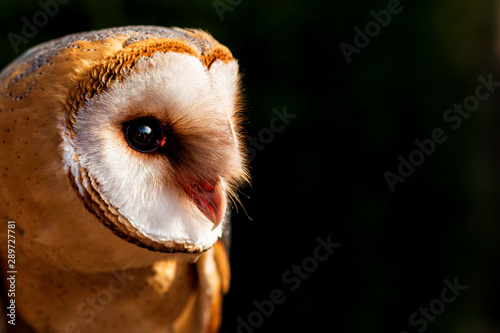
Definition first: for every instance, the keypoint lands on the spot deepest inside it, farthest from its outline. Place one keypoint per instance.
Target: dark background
(324, 173)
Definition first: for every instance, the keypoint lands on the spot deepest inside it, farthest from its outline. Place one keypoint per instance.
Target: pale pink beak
(210, 200)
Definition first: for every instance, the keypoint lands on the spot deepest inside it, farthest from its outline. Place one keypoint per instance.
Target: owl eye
(144, 134)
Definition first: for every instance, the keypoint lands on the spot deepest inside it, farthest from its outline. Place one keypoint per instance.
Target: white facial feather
(171, 86)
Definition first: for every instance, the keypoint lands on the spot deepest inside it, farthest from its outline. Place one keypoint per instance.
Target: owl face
(155, 154)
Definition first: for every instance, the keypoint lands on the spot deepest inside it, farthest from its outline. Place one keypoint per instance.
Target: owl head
(153, 145)
(146, 124)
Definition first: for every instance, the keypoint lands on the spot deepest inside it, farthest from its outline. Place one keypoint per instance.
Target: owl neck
(124, 300)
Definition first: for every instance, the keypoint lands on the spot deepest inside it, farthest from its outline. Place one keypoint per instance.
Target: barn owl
(119, 151)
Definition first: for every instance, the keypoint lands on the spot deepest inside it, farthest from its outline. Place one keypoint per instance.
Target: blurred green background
(323, 174)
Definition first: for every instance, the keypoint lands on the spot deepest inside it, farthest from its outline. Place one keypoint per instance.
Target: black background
(323, 174)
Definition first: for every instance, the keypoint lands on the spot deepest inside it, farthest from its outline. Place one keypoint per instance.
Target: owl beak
(210, 200)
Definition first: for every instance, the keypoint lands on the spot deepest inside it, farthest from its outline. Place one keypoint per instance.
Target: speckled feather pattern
(70, 249)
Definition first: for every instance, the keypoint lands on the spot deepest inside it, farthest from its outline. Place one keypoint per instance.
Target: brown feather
(67, 258)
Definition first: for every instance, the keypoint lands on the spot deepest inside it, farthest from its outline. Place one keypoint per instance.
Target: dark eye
(144, 134)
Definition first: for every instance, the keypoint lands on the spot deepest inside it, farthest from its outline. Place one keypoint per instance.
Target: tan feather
(63, 106)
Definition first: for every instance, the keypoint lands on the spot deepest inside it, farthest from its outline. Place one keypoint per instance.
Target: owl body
(119, 149)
